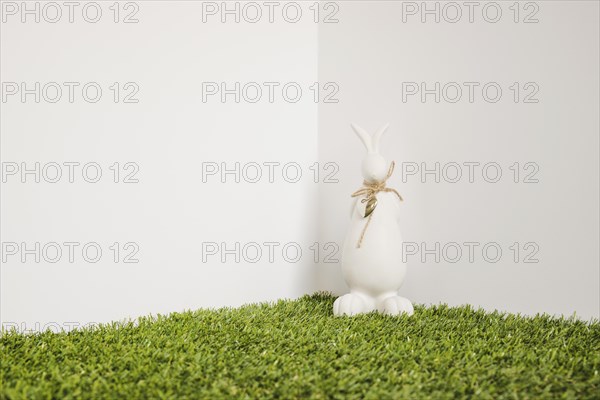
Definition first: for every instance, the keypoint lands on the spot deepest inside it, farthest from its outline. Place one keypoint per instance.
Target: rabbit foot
(349, 304)
(396, 305)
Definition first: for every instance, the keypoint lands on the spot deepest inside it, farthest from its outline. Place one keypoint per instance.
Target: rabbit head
(374, 166)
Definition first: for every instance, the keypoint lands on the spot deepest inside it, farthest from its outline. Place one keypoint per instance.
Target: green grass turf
(297, 349)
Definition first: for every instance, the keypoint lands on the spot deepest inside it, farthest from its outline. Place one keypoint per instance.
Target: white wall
(372, 52)
(170, 132)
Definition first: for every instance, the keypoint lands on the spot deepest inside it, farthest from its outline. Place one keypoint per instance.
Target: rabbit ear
(377, 137)
(364, 136)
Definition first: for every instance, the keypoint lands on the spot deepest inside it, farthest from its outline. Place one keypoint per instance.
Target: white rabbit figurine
(372, 257)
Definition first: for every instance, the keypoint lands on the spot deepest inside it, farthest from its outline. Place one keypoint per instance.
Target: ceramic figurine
(372, 262)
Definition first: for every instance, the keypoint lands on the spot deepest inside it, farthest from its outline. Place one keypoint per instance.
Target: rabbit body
(376, 267)
(375, 270)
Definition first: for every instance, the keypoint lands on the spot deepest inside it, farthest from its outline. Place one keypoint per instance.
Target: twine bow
(370, 189)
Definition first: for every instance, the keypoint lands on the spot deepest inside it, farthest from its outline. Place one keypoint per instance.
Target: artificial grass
(297, 349)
